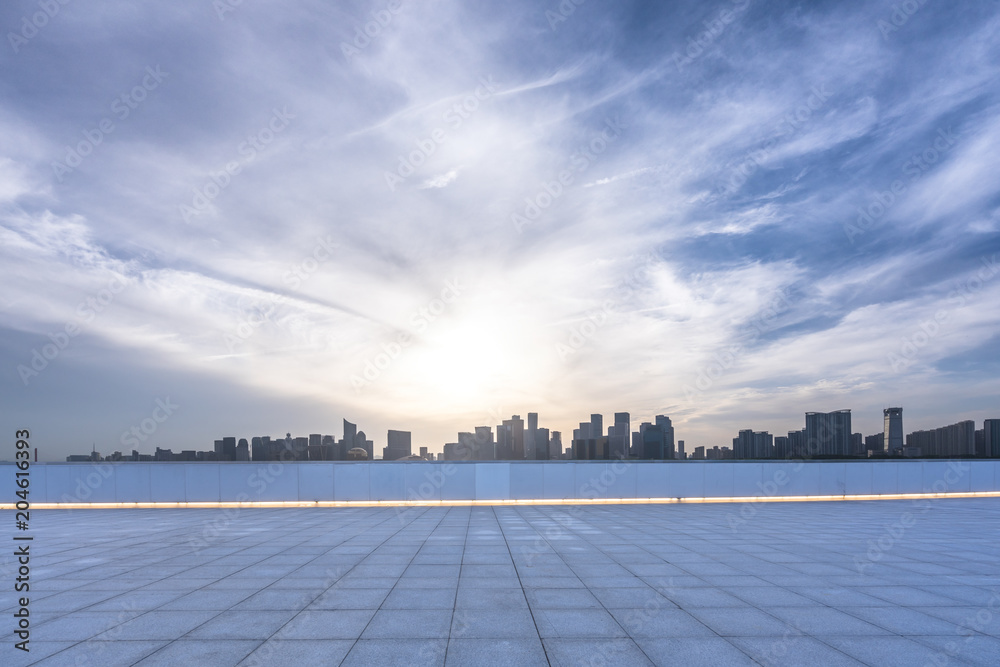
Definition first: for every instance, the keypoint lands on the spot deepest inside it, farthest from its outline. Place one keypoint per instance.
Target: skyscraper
(516, 425)
(828, 433)
(619, 434)
(398, 445)
(893, 440)
(991, 437)
(484, 443)
(668, 435)
(530, 443)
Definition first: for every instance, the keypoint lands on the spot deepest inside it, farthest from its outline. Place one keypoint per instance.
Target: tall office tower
(636, 449)
(980, 443)
(466, 446)
(516, 427)
(597, 425)
(828, 433)
(229, 448)
(668, 435)
(530, 445)
(991, 437)
(398, 446)
(652, 442)
(242, 451)
(423, 452)
(484, 444)
(542, 444)
(505, 446)
(619, 435)
(556, 446)
(349, 439)
(893, 432)
(257, 449)
(681, 455)
(220, 454)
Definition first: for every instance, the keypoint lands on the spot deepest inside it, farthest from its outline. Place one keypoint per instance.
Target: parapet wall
(493, 481)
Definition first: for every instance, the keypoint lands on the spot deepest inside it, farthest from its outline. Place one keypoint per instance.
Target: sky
(259, 217)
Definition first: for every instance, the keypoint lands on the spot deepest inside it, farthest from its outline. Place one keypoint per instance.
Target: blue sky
(731, 213)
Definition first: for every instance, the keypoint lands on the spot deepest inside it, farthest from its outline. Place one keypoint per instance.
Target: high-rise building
(516, 427)
(828, 433)
(398, 446)
(530, 435)
(484, 444)
(893, 431)
(752, 444)
(242, 452)
(875, 444)
(954, 440)
(681, 454)
(991, 437)
(858, 445)
(229, 448)
(797, 444)
(542, 445)
(781, 450)
(619, 436)
(597, 425)
(555, 445)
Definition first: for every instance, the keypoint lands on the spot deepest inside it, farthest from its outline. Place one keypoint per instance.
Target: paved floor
(848, 583)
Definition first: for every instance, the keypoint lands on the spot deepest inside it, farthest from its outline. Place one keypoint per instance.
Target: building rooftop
(826, 583)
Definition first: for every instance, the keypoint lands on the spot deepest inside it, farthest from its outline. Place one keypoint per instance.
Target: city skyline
(823, 435)
(722, 213)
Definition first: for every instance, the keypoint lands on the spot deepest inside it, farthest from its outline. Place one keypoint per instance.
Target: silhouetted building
(893, 431)
(750, 444)
(619, 435)
(398, 446)
(875, 444)
(484, 446)
(828, 433)
(991, 437)
(954, 440)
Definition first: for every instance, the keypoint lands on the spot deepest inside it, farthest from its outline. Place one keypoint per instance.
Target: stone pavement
(834, 583)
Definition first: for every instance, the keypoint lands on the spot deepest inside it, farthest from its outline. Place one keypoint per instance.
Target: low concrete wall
(520, 480)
